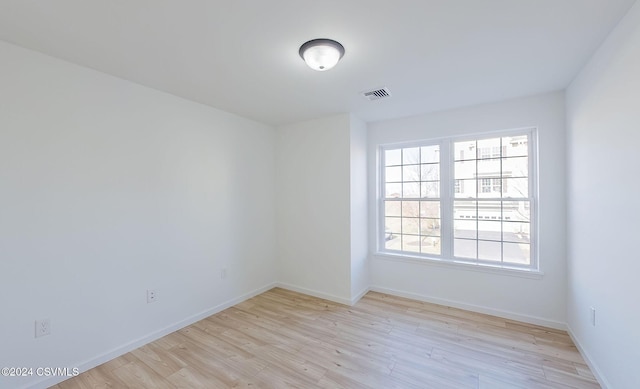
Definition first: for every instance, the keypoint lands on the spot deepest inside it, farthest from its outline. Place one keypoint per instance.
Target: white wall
(534, 300)
(603, 120)
(313, 211)
(322, 207)
(359, 210)
(107, 189)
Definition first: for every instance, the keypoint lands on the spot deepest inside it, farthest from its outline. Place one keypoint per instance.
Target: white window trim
(447, 193)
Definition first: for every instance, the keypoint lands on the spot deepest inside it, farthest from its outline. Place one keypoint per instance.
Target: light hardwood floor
(283, 339)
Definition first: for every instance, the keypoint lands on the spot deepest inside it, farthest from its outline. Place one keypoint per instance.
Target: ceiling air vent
(376, 94)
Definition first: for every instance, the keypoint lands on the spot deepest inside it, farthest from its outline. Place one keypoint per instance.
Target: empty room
(339, 194)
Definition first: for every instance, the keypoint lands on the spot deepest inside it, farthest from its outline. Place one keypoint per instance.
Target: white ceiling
(242, 55)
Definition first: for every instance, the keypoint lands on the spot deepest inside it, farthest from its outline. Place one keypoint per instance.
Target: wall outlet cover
(152, 296)
(43, 327)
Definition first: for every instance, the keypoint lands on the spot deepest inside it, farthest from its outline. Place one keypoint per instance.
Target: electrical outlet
(223, 273)
(43, 327)
(592, 313)
(152, 296)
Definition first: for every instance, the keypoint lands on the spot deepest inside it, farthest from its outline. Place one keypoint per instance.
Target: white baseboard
(118, 351)
(360, 295)
(326, 296)
(314, 293)
(475, 308)
(587, 358)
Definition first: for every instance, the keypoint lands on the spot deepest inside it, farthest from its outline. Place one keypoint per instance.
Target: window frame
(447, 197)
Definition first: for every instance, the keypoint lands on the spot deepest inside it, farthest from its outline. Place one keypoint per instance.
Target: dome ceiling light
(321, 54)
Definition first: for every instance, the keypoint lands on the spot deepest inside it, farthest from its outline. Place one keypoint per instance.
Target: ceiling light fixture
(321, 54)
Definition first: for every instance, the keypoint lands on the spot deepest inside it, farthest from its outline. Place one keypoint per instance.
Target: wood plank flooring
(283, 339)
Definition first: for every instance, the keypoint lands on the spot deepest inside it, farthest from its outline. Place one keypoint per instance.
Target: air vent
(376, 94)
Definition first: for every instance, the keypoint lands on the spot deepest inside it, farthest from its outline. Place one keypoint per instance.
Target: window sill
(452, 264)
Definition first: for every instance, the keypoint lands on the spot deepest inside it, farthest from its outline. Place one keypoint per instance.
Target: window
(488, 152)
(412, 200)
(463, 200)
(489, 185)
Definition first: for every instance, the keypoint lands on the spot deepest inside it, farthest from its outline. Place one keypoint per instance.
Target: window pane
(393, 190)
(516, 232)
(430, 245)
(464, 248)
(489, 210)
(515, 146)
(411, 189)
(515, 167)
(489, 168)
(465, 229)
(464, 169)
(410, 209)
(430, 227)
(464, 150)
(489, 188)
(393, 225)
(517, 253)
(430, 209)
(430, 172)
(392, 157)
(468, 189)
(465, 210)
(392, 208)
(411, 243)
(411, 173)
(490, 230)
(516, 211)
(430, 189)
(489, 251)
(393, 241)
(410, 225)
(430, 154)
(489, 148)
(515, 187)
(393, 174)
(411, 156)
